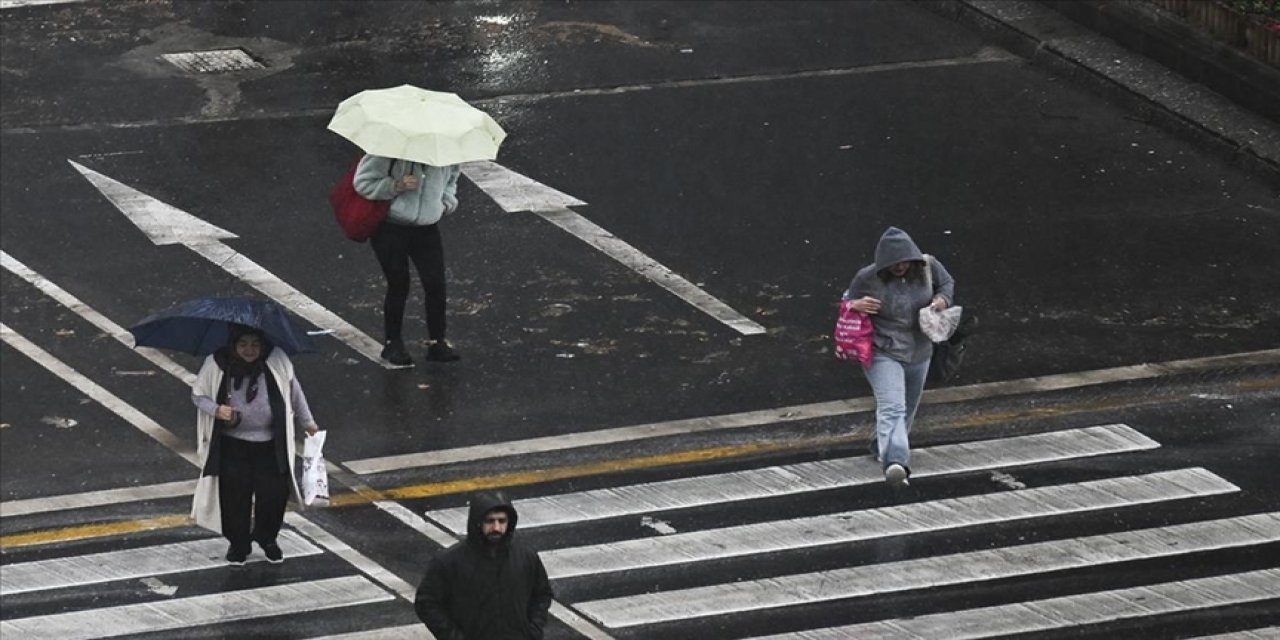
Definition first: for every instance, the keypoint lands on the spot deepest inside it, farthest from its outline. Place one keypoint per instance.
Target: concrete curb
(1158, 95)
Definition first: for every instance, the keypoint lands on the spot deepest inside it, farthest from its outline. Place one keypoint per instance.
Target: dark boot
(396, 354)
(440, 351)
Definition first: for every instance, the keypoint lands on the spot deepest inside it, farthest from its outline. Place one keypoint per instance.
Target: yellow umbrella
(415, 124)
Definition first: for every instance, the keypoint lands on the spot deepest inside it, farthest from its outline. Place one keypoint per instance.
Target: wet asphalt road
(756, 149)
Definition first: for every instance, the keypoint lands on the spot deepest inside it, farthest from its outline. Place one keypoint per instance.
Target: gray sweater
(435, 196)
(897, 328)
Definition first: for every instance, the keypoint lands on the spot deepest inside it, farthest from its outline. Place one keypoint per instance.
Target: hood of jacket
(895, 246)
(481, 504)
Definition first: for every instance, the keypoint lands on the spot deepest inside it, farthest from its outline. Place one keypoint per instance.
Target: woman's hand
(407, 183)
(312, 429)
(867, 304)
(939, 303)
(224, 412)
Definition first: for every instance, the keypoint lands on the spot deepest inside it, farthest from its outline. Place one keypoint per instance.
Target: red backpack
(358, 216)
(854, 335)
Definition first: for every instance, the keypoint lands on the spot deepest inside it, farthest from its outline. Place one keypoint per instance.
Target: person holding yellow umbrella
(415, 141)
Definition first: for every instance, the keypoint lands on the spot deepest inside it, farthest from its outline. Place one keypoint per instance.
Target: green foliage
(1268, 8)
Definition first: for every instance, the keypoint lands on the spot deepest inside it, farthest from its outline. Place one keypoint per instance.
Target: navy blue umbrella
(203, 325)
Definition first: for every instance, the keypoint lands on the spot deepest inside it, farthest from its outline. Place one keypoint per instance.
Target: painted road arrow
(515, 192)
(165, 224)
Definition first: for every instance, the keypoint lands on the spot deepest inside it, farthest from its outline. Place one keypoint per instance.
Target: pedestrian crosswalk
(292, 599)
(694, 577)
(131, 595)
(771, 552)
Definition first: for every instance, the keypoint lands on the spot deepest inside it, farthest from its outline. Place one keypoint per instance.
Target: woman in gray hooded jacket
(892, 290)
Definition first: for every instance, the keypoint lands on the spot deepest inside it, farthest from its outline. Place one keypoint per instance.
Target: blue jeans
(897, 387)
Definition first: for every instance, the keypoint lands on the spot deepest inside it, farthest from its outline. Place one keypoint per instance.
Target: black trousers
(249, 481)
(397, 245)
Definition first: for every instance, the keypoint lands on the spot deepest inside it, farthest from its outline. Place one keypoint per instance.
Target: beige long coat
(205, 507)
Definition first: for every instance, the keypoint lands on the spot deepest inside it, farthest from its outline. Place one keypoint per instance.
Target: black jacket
(480, 591)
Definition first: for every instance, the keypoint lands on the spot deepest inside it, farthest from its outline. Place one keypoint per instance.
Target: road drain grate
(214, 61)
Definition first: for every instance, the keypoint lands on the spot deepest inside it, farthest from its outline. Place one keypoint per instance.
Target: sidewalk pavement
(1161, 95)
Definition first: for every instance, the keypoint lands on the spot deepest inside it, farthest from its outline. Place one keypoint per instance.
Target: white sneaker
(896, 475)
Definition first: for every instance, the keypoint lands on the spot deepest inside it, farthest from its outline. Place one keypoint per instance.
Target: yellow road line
(87, 531)
(519, 478)
(466, 485)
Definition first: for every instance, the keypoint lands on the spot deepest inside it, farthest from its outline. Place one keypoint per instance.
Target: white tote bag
(939, 325)
(315, 477)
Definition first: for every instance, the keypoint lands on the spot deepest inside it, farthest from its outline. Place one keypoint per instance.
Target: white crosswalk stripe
(604, 553)
(879, 523)
(1064, 612)
(812, 476)
(1265, 633)
(214, 608)
(199, 566)
(142, 562)
(936, 571)
(707, 592)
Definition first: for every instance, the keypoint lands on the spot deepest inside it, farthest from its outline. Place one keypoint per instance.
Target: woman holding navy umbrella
(249, 402)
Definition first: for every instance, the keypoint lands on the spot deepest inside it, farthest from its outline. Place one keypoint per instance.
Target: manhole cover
(215, 61)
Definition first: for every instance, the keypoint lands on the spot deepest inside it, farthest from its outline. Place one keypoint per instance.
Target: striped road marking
(103, 397)
(810, 476)
(407, 632)
(98, 320)
(516, 192)
(245, 604)
(937, 571)
(58, 573)
(852, 526)
(1265, 633)
(165, 224)
(14, 4)
(179, 489)
(781, 415)
(1065, 612)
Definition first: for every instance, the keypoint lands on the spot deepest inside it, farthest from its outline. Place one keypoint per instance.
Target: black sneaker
(396, 354)
(273, 552)
(441, 352)
(236, 557)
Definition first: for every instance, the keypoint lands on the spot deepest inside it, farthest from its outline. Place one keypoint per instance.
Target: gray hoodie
(898, 332)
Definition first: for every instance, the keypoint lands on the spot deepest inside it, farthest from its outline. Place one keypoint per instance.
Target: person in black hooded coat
(489, 586)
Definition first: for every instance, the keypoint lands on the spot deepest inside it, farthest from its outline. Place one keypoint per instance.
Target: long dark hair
(914, 274)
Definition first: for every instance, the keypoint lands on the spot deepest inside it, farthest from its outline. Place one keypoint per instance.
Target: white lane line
(937, 571)
(406, 632)
(14, 4)
(354, 558)
(984, 55)
(854, 526)
(144, 423)
(1061, 613)
(165, 224)
(793, 413)
(245, 604)
(515, 192)
(180, 489)
(127, 564)
(98, 320)
(634, 259)
(1264, 633)
(98, 394)
(751, 484)
(442, 538)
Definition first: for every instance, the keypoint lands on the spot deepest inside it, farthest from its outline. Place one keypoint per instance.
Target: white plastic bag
(939, 325)
(315, 477)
